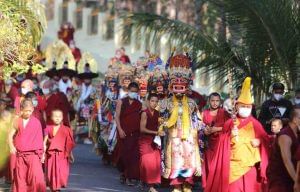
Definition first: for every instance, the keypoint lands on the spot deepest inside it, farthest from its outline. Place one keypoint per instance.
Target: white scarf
(64, 86)
(85, 93)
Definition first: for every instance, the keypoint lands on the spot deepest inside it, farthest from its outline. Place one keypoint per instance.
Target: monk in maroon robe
(297, 180)
(37, 113)
(150, 159)
(59, 143)
(128, 125)
(26, 148)
(26, 87)
(281, 171)
(241, 157)
(214, 118)
(124, 58)
(56, 100)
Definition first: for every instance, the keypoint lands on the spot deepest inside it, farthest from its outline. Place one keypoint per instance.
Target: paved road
(90, 175)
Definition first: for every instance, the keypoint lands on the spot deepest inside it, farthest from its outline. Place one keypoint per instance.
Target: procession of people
(144, 119)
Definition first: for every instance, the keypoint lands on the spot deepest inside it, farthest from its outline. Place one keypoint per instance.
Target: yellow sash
(185, 118)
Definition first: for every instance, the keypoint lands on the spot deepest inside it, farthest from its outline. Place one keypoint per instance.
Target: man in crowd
(296, 100)
(282, 165)
(241, 158)
(275, 107)
(124, 58)
(128, 124)
(56, 100)
(214, 119)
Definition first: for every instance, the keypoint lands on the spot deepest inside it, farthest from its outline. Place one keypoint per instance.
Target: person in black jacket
(275, 107)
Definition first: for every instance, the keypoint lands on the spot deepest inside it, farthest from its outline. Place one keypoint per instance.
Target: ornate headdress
(153, 62)
(180, 73)
(59, 52)
(87, 58)
(126, 74)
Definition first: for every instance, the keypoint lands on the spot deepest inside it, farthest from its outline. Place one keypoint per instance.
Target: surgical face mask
(297, 101)
(277, 96)
(24, 91)
(55, 87)
(244, 112)
(35, 86)
(20, 78)
(46, 91)
(35, 103)
(132, 95)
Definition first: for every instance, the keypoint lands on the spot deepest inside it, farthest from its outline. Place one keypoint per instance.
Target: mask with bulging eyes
(179, 85)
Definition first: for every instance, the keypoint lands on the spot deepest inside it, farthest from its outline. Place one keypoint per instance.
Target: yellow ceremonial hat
(245, 96)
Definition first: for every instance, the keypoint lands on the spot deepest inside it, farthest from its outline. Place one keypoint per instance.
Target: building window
(78, 18)
(64, 13)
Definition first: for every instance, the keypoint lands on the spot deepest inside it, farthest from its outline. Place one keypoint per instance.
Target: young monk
(37, 112)
(128, 125)
(26, 148)
(276, 126)
(214, 118)
(150, 160)
(58, 142)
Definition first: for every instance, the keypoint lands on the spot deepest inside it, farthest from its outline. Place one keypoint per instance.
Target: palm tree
(22, 26)
(263, 41)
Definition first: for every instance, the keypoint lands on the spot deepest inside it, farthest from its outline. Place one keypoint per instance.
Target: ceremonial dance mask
(180, 74)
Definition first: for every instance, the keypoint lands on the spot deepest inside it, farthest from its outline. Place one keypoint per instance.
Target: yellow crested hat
(245, 96)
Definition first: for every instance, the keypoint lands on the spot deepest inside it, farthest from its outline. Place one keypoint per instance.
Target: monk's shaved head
(57, 111)
(26, 103)
(57, 117)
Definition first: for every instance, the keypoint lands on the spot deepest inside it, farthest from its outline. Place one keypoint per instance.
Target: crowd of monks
(145, 120)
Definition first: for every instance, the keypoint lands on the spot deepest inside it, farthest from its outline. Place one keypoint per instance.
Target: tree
(263, 41)
(22, 26)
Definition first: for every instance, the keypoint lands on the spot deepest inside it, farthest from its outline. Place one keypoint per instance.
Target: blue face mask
(132, 95)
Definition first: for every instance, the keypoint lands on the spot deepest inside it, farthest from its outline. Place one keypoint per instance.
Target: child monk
(26, 148)
(150, 172)
(58, 142)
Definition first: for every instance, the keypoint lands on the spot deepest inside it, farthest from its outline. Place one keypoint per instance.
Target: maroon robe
(77, 54)
(59, 147)
(129, 152)
(58, 101)
(40, 116)
(150, 171)
(124, 59)
(218, 178)
(41, 102)
(279, 178)
(27, 167)
(213, 139)
(199, 99)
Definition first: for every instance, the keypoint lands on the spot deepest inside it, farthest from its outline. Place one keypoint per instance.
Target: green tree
(262, 40)
(22, 26)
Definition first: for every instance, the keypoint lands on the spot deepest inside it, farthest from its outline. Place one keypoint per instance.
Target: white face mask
(132, 95)
(24, 91)
(297, 101)
(35, 86)
(277, 96)
(244, 112)
(35, 103)
(46, 91)
(55, 87)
